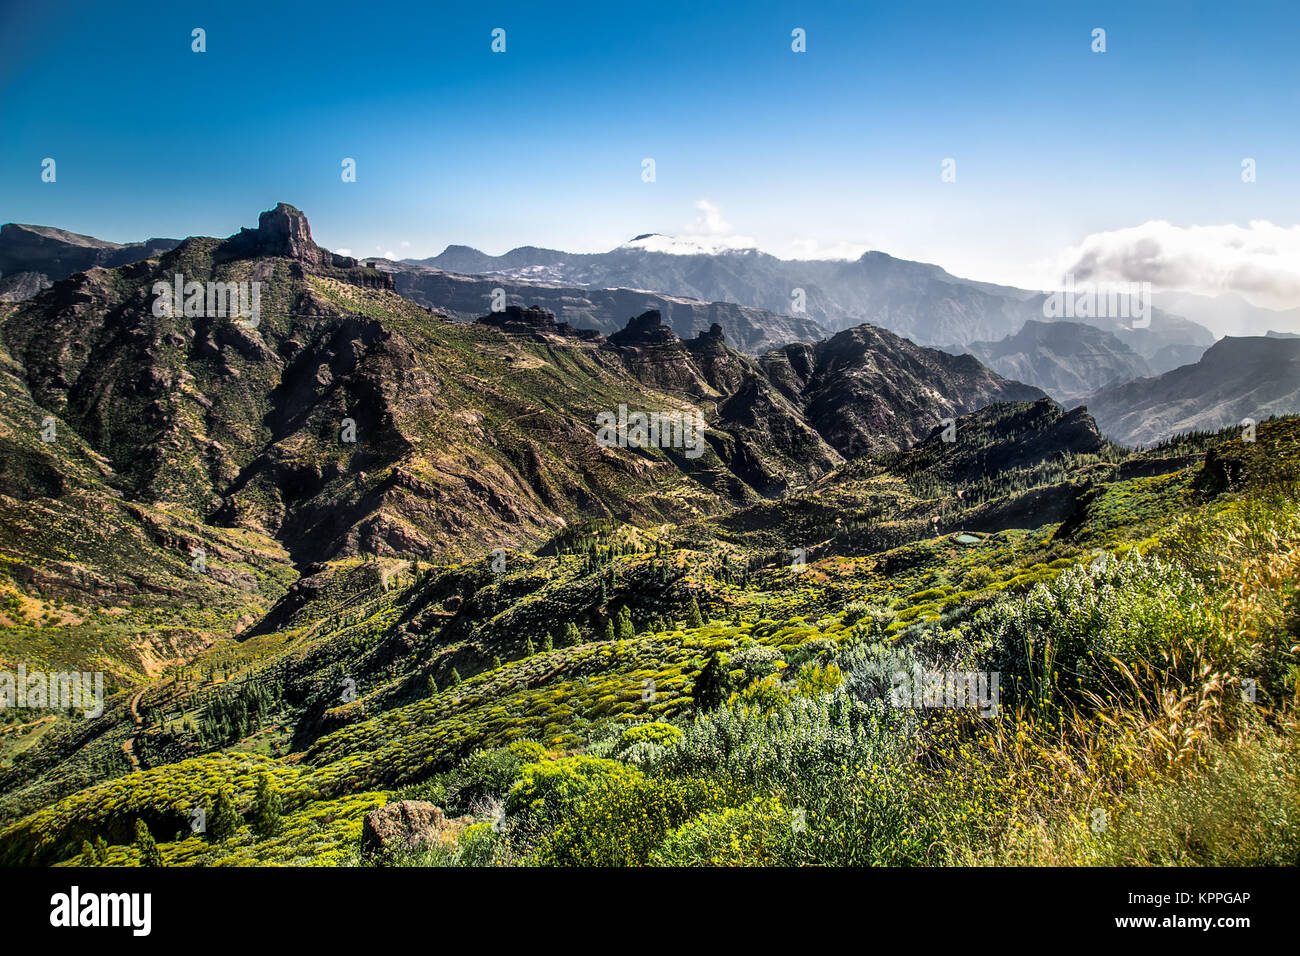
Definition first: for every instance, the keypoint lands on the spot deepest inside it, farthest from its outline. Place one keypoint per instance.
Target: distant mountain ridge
(465, 297)
(1068, 360)
(1237, 378)
(50, 254)
(919, 300)
(760, 300)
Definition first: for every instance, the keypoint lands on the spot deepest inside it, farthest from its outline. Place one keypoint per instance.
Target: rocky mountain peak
(284, 231)
(518, 318)
(645, 329)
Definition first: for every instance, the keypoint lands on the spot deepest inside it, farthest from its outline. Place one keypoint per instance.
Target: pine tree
(572, 636)
(529, 648)
(223, 819)
(714, 685)
(625, 629)
(101, 850)
(88, 855)
(548, 643)
(454, 678)
(145, 845)
(433, 685)
(266, 808)
(693, 616)
(609, 630)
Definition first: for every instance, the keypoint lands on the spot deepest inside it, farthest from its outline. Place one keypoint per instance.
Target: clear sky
(831, 151)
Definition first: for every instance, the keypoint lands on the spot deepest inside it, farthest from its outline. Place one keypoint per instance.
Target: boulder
(406, 824)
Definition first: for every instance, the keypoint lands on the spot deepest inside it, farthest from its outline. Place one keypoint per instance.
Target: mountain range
(1068, 360)
(745, 294)
(920, 301)
(760, 301)
(31, 257)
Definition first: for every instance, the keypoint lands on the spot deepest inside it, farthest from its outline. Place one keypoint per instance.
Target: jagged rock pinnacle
(284, 231)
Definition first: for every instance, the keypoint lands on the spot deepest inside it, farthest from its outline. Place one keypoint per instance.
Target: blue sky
(837, 149)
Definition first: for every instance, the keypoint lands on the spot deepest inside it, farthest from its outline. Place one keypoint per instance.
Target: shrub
(487, 774)
(816, 680)
(758, 833)
(655, 732)
(623, 824)
(546, 789)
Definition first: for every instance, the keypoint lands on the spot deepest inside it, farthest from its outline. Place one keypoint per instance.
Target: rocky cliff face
(284, 232)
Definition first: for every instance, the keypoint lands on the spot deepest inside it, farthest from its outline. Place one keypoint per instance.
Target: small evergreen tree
(454, 678)
(266, 808)
(609, 630)
(625, 629)
(548, 643)
(496, 661)
(572, 636)
(223, 819)
(714, 685)
(145, 845)
(89, 856)
(101, 850)
(433, 685)
(693, 616)
(529, 648)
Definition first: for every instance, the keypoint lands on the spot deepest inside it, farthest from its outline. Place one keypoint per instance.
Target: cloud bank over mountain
(1260, 261)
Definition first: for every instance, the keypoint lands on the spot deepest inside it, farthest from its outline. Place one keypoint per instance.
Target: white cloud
(708, 228)
(1260, 261)
(819, 249)
(344, 252)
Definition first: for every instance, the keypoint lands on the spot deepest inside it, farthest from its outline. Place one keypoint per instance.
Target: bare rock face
(646, 329)
(404, 825)
(284, 231)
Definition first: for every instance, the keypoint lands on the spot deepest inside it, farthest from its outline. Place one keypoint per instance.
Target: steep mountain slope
(1068, 360)
(867, 390)
(463, 434)
(1238, 378)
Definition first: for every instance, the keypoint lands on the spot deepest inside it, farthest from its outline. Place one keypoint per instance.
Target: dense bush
(546, 789)
(622, 824)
